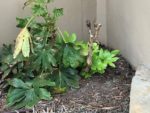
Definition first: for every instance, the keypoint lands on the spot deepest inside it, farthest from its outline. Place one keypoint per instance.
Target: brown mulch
(108, 93)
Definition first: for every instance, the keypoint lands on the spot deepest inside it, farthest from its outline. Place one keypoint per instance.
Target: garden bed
(107, 93)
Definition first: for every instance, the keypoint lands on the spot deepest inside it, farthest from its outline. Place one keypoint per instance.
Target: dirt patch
(107, 93)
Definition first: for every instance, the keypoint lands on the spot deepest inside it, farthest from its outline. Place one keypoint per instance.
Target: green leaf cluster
(101, 59)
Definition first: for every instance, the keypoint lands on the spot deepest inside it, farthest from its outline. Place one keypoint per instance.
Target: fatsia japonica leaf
(45, 59)
(14, 96)
(57, 12)
(65, 78)
(27, 94)
(44, 94)
(7, 50)
(17, 83)
(20, 96)
(21, 23)
(22, 43)
(69, 38)
(40, 82)
(30, 99)
(71, 57)
(26, 47)
(38, 10)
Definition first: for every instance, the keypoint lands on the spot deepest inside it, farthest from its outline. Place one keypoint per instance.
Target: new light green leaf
(69, 38)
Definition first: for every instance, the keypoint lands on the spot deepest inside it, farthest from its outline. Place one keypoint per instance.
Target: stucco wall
(101, 18)
(76, 12)
(128, 29)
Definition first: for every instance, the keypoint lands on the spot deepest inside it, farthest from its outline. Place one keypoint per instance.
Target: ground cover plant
(45, 61)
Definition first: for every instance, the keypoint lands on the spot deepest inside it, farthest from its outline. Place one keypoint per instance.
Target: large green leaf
(28, 94)
(17, 83)
(44, 94)
(40, 82)
(65, 78)
(30, 99)
(45, 59)
(21, 23)
(26, 47)
(22, 43)
(14, 96)
(72, 57)
(38, 10)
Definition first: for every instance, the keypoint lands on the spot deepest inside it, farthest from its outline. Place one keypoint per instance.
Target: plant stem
(30, 21)
(61, 34)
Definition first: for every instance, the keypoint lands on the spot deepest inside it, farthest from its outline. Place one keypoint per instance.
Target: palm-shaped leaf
(22, 43)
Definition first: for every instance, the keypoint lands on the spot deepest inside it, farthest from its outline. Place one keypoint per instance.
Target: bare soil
(107, 93)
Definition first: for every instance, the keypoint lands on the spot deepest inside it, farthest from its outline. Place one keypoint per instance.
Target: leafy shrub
(44, 60)
(101, 59)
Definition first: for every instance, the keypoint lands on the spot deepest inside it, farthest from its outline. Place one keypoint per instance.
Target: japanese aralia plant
(45, 60)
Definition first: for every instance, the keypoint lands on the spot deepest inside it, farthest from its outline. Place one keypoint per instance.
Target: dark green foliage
(45, 60)
(65, 78)
(71, 57)
(28, 94)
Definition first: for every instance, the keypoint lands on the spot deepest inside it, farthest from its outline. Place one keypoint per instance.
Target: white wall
(128, 29)
(89, 13)
(101, 18)
(75, 14)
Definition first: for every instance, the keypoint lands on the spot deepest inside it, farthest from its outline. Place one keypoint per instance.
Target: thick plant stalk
(93, 38)
(90, 42)
(97, 30)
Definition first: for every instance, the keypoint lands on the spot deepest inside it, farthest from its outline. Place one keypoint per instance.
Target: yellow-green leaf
(26, 47)
(22, 43)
